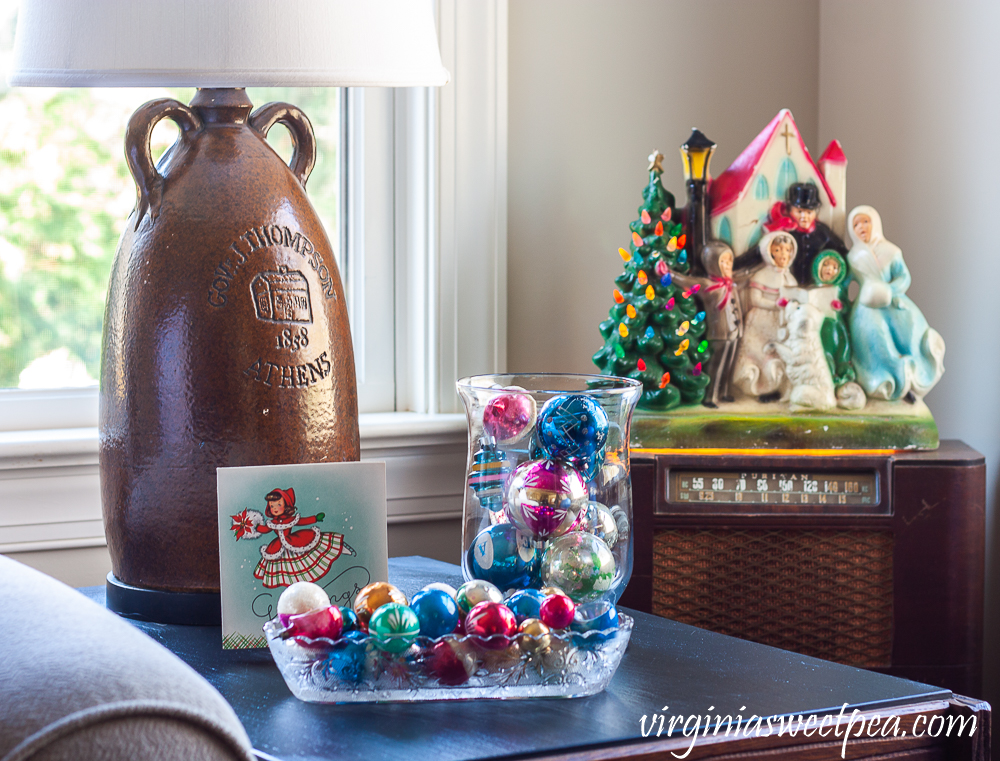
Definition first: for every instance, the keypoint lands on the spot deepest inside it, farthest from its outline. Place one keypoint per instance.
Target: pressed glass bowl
(572, 664)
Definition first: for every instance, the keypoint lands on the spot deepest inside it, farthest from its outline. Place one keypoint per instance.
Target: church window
(756, 235)
(725, 231)
(787, 176)
(761, 190)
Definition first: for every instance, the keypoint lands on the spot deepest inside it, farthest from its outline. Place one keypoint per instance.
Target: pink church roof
(834, 154)
(729, 187)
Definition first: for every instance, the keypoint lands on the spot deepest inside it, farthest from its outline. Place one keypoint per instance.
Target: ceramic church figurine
(771, 347)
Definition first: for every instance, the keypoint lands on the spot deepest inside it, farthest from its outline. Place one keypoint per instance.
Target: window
(420, 215)
(787, 176)
(761, 190)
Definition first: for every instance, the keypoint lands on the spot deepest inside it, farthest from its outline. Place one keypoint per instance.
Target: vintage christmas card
(278, 524)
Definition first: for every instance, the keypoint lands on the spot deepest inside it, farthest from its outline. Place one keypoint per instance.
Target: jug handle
(148, 181)
(300, 128)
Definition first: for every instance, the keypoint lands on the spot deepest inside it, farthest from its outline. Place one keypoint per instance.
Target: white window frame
(442, 170)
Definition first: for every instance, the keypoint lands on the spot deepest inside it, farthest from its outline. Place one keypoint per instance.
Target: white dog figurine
(801, 349)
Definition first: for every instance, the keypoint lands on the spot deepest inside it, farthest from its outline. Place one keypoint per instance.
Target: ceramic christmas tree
(656, 327)
(776, 319)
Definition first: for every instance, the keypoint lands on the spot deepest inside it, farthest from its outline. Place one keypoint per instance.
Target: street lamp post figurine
(696, 154)
(769, 348)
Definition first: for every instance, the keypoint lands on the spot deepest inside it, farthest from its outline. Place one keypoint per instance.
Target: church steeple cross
(788, 134)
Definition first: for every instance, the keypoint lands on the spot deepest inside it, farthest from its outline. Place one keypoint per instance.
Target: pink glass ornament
(662, 268)
(509, 417)
(492, 624)
(325, 622)
(545, 498)
(557, 611)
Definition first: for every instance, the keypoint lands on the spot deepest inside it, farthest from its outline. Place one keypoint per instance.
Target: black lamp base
(157, 606)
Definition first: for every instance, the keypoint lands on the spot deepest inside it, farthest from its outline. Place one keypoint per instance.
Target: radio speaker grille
(825, 593)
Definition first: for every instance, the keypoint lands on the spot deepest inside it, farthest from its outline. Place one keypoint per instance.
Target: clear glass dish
(572, 664)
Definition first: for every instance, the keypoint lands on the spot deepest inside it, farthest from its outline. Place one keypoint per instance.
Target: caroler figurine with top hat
(764, 314)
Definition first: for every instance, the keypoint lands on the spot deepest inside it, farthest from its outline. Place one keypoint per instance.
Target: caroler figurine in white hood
(897, 355)
(759, 372)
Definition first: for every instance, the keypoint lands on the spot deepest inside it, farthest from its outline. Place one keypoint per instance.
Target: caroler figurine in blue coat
(897, 355)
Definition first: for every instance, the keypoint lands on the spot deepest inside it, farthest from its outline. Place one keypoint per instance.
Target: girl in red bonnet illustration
(295, 553)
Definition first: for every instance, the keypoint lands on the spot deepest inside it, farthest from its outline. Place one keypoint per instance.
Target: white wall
(910, 87)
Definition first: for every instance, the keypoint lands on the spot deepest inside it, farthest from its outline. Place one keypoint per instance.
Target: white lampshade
(226, 43)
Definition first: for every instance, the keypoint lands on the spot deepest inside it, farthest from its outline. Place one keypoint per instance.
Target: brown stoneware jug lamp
(222, 253)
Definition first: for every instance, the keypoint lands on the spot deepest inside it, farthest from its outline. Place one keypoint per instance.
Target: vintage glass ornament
(599, 618)
(473, 592)
(491, 624)
(322, 622)
(488, 477)
(525, 603)
(446, 588)
(533, 636)
(508, 417)
(372, 597)
(504, 556)
(436, 611)
(394, 627)
(581, 564)
(598, 520)
(301, 597)
(347, 658)
(351, 623)
(550, 590)
(557, 611)
(451, 661)
(545, 498)
(572, 427)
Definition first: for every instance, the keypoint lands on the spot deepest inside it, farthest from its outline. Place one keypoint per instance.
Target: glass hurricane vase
(548, 499)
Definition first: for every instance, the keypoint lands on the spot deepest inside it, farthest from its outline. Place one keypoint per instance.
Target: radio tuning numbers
(718, 484)
(293, 339)
(810, 487)
(784, 484)
(761, 484)
(698, 483)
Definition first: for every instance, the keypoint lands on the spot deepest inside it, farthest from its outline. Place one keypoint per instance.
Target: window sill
(379, 431)
(56, 471)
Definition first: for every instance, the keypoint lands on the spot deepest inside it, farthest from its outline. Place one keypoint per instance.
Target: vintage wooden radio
(873, 559)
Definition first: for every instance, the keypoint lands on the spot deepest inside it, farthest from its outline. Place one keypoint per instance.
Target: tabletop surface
(668, 668)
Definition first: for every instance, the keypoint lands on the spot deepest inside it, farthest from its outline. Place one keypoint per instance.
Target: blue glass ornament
(650, 332)
(594, 622)
(346, 660)
(504, 556)
(350, 619)
(436, 611)
(488, 477)
(572, 427)
(666, 279)
(698, 318)
(682, 256)
(526, 603)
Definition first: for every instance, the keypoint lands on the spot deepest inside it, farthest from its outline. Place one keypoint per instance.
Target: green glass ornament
(394, 627)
